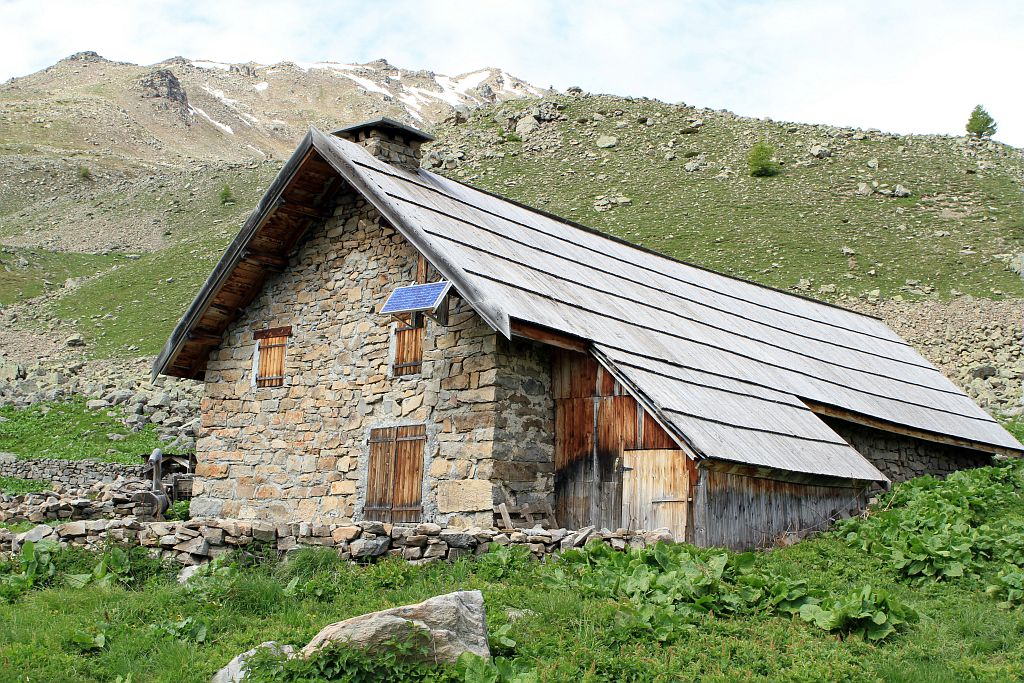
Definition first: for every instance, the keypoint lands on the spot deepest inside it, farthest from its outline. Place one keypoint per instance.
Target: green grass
(133, 310)
(566, 630)
(15, 486)
(69, 431)
(46, 270)
(775, 231)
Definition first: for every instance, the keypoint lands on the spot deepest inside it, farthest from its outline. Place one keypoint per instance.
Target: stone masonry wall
(70, 473)
(300, 451)
(903, 457)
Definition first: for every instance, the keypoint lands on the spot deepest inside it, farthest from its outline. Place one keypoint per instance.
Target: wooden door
(655, 490)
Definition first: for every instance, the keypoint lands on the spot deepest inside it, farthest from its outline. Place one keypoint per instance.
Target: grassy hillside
(113, 178)
(862, 604)
(953, 234)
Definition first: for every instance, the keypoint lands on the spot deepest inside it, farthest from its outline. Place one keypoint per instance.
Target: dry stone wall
(116, 499)
(200, 540)
(903, 457)
(69, 473)
(122, 388)
(301, 450)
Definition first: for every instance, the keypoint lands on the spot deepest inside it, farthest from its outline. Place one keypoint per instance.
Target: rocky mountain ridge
(182, 109)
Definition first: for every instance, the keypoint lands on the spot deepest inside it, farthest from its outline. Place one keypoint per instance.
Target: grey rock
(450, 624)
(187, 573)
(526, 125)
(235, 671)
(983, 372)
(35, 534)
(457, 539)
(369, 547)
(194, 546)
(820, 152)
(607, 141)
(695, 164)
(900, 191)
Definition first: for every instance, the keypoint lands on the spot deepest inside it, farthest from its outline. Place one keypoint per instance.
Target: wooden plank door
(655, 490)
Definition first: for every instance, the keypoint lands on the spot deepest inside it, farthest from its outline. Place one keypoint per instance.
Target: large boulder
(449, 624)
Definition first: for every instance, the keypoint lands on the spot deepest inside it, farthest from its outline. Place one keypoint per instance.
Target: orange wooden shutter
(409, 345)
(272, 347)
(394, 479)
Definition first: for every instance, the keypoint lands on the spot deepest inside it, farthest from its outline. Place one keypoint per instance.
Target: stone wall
(301, 450)
(69, 473)
(197, 541)
(903, 457)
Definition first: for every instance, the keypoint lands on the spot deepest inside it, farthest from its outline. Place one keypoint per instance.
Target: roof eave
(232, 255)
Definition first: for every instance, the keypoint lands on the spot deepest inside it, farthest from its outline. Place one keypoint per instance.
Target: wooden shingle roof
(732, 368)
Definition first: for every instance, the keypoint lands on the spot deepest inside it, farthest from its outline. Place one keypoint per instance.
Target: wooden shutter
(409, 345)
(272, 347)
(394, 479)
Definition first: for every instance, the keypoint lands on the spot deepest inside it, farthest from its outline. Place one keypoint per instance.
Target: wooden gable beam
(264, 259)
(548, 336)
(302, 210)
(205, 336)
(882, 425)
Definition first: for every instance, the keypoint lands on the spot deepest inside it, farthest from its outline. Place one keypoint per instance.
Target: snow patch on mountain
(224, 127)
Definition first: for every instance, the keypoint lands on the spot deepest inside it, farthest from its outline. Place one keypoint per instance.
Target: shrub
(178, 511)
(503, 561)
(130, 567)
(226, 196)
(84, 173)
(393, 662)
(931, 530)
(1008, 587)
(872, 615)
(981, 124)
(761, 160)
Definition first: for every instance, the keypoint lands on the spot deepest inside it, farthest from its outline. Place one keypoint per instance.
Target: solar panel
(416, 298)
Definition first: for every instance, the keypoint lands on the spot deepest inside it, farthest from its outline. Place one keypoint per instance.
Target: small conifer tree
(761, 161)
(226, 197)
(981, 124)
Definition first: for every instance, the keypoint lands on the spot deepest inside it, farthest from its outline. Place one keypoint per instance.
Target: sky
(906, 67)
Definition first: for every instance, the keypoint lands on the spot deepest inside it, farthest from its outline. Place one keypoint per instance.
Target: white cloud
(912, 66)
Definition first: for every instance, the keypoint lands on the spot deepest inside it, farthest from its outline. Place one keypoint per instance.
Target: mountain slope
(111, 217)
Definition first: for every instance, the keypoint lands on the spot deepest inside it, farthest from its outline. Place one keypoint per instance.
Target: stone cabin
(530, 361)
